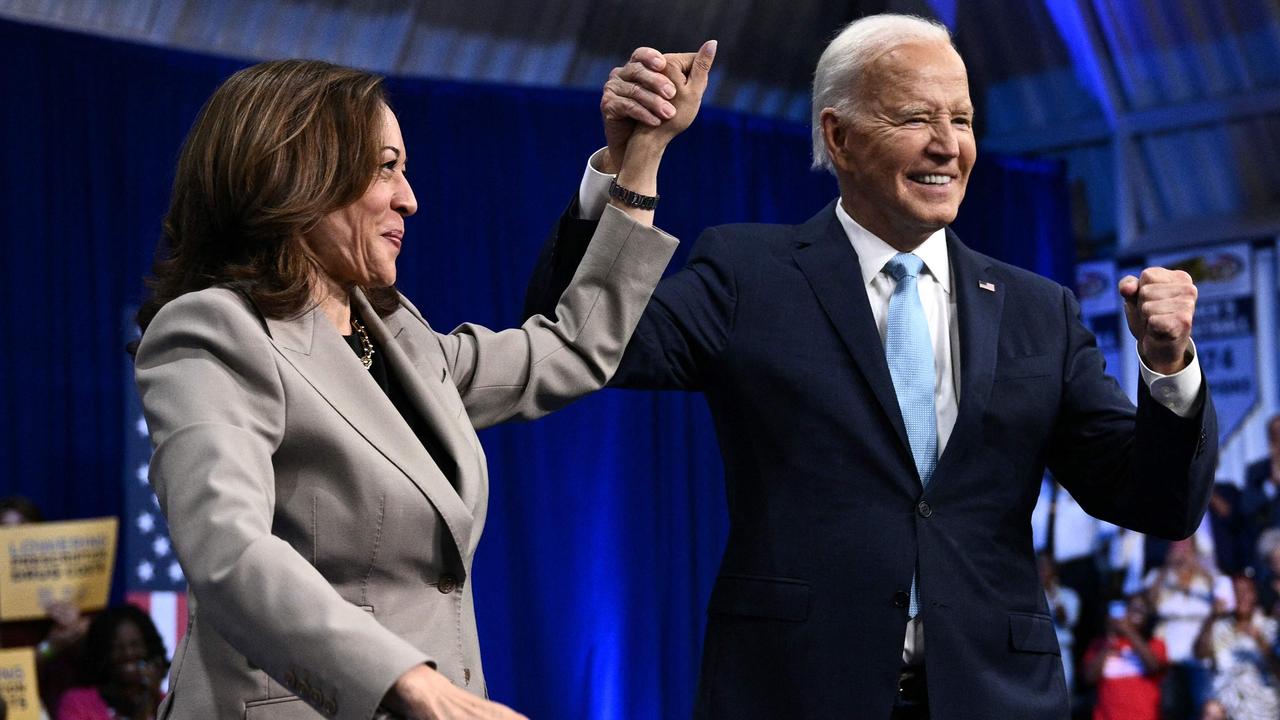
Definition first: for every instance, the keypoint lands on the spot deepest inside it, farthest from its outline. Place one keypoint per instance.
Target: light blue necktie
(908, 348)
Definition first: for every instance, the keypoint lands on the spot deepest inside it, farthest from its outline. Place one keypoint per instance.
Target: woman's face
(1137, 611)
(129, 655)
(11, 517)
(358, 244)
(1246, 596)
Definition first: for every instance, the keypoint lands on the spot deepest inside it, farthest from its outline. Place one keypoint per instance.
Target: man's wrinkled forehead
(916, 62)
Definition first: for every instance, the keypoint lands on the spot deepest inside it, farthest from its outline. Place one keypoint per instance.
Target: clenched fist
(1160, 306)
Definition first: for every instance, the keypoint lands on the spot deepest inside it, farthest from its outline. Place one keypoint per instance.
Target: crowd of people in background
(105, 666)
(1154, 630)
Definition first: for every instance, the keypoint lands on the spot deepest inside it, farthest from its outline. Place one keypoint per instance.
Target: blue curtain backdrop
(607, 519)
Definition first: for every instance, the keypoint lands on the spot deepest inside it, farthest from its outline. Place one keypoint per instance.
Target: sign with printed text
(55, 561)
(1224, 327)
(18, 684)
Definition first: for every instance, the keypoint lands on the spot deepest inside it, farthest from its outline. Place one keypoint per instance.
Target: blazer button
(447, 584)
(924, 509)
(901, 599)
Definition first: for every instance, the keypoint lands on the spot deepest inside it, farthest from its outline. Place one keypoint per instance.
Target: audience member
(121, 668)
(1127, 664)
(1064, 607)
(1213, 710)
(1185, 591)
(1240, 645)
(1227, 526)
(1075, 540)
(1260, 497)
(1267, 575)
(56, 639)
(16, 510)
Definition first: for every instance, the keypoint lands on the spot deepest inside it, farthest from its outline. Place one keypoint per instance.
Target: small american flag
(154, 579)
(988, 286)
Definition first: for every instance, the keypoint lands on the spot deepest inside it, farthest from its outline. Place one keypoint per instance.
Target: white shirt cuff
(1180, 392)
(593, 191)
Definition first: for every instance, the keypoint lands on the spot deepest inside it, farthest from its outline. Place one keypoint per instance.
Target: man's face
(903, 158)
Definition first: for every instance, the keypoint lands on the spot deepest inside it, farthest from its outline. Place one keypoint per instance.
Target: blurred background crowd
(105, 665)
(1172, 631)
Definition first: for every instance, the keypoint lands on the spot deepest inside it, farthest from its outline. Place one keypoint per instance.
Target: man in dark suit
(886, 402)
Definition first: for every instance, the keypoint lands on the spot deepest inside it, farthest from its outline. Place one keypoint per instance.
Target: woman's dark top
(392, 385)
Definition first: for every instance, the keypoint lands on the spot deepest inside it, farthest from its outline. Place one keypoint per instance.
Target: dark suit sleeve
(557, 261)
(1151, 471)
(686, 324)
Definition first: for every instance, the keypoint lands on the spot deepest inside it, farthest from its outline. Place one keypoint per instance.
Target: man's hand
(424, 694)
(646, 91)
(1160, 305)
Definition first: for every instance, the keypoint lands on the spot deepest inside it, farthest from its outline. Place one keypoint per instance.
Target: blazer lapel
(320, 355)
(830, 265)
(425, 380)
(980, 294)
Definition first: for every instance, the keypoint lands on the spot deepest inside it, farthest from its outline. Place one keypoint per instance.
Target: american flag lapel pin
(988, 286)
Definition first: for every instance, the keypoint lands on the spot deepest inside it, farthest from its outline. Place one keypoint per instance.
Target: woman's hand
(69, 626)
(424, 694)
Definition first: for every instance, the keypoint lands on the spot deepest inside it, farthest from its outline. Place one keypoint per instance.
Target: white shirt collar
(873, 252)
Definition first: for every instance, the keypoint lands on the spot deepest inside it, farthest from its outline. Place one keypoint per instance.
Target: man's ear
(834, 134)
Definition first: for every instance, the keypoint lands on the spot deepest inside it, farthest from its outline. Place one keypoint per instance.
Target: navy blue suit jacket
(827, 514)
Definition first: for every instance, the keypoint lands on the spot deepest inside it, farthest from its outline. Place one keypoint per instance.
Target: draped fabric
(607, 519)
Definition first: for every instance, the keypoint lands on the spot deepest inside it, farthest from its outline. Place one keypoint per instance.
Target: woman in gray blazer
(315, 445)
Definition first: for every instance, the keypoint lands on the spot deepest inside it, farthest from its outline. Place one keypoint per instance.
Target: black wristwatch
(631, 197)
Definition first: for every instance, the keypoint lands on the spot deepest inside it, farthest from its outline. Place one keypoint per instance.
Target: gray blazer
(326, 552)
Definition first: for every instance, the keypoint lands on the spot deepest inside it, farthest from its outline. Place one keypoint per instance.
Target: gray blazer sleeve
(543, 365)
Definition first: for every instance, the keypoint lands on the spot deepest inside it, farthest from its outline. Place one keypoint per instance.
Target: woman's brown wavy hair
(277, 147)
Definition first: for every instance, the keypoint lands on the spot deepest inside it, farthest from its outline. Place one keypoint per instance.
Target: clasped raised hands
(654, 95)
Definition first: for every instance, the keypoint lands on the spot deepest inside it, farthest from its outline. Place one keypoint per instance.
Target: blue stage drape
(606, 519)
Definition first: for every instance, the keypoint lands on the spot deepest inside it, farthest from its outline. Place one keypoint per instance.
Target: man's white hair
(836, 79)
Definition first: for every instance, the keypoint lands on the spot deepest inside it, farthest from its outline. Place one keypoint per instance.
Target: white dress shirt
(934, 284)
(1178, 392)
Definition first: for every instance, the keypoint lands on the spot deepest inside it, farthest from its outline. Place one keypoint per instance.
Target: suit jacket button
(901, 599)
(447, 584)
(924, 509)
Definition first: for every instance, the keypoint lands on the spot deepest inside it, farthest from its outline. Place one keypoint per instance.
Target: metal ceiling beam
(1152, 121)
(1206, 230)
(1094, 131)
(1188, 116)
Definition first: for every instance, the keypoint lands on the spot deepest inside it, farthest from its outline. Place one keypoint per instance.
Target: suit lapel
(427, 385)
(980, 292)
(321, 356)
(830, 265)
